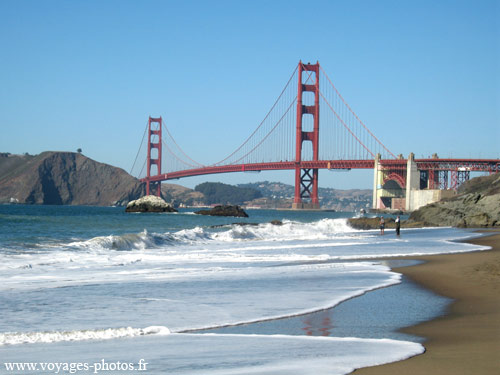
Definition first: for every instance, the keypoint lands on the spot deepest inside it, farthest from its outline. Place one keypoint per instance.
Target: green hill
(216, 192)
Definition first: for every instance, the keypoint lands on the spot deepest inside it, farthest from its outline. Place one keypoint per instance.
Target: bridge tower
(306, 179)
(154, 154)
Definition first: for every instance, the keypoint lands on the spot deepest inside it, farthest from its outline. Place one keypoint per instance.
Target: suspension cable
(345, 125)
(340, 119)
(262, 122)
(179, 159)
(138, 151)
(182, 151)
(355, 115)
(143, 165)
(268, 134)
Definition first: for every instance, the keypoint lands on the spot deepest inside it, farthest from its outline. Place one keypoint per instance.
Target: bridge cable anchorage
(355, 115)
(260, 125)
(181, 150)
(140, 147)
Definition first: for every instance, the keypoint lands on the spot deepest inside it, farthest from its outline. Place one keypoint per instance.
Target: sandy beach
(467, 339)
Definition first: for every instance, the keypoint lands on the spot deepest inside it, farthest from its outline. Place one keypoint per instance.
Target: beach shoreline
(466, 340)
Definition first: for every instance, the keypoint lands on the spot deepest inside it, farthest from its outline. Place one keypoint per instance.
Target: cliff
(64, 178)
(476, 205)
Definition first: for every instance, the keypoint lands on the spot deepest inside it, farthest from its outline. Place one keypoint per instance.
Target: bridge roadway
(473, 165)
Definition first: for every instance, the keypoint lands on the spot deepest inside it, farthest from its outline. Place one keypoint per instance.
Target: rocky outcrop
(236, 211)
(476, 206)
(272, 222)
(65, 178)
(365, 223)
(149, 203)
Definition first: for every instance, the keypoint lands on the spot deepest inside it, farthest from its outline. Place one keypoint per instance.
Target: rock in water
(149, 203)
(224, 211)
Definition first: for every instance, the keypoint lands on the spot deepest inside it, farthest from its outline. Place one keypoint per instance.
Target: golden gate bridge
(288, 138)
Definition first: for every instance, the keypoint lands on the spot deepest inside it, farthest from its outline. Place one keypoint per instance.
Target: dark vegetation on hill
(218, 193)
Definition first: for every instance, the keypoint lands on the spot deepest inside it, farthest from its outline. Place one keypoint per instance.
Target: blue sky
(424, 76)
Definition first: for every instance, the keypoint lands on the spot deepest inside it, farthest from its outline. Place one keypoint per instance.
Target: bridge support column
(306, 179)
(154, 154)
(377, 182)
(412, 181)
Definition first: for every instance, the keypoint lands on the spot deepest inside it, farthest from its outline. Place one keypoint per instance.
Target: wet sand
(467, 339)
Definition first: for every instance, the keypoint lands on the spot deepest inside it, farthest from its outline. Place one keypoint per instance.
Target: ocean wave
(129, 241)
(16, 338)
(289, 230)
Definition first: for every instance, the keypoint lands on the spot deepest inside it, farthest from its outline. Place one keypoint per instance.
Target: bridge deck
(475, 165)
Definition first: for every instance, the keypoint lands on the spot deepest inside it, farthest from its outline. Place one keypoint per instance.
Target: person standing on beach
(382, 225)
(398, 225)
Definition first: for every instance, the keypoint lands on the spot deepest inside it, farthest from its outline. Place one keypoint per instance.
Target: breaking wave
(16, 338)
(290, 230)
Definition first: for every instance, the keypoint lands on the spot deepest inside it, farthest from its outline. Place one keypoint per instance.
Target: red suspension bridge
(288, 138)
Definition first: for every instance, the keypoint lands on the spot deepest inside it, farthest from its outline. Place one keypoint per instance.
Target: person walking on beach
(398, 225)
(382, 225)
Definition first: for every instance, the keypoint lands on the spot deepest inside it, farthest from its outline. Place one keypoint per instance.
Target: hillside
(177, 194)
(280, 195)
(476, 205)
(64, 178)
(216, 192)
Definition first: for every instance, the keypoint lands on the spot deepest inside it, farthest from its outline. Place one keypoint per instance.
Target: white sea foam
(197, 251)
(202, 277)
(15, 338)
(216, 354)
(322, 229)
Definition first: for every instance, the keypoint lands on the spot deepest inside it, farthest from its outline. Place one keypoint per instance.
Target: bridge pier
(412, 181)
(306, 187)
(389, 182)
(377, 182)
(412, 184)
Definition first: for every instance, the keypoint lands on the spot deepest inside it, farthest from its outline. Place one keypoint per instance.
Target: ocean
(97, 290)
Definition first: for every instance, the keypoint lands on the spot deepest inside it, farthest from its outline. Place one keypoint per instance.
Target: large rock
(477, 205)
(149, 203)
(236, 211)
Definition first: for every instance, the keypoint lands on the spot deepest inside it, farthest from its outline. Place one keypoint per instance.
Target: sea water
(97, 290)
